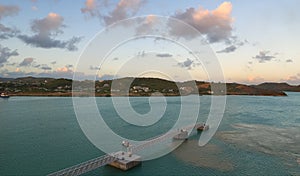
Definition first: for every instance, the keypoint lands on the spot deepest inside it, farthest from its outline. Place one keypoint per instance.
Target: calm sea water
(257, 136)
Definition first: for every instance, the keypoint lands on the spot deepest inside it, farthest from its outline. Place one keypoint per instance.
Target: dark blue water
(257, 136)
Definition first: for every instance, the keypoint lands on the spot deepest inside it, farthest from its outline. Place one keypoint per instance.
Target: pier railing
(109, 158)
(85, 166)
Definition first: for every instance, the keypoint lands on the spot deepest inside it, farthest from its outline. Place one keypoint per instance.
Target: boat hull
(202, 127)
(4, 96)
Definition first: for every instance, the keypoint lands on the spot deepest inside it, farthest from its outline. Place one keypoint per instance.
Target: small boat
(202, 127)
(183, 135)
(4, 95)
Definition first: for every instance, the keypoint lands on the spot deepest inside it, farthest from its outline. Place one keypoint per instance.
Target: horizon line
(154, 78)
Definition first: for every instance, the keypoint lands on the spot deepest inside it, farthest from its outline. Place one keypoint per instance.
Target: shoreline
(139, 87)
(69, 94)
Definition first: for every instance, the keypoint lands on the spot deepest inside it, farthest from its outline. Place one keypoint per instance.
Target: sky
(253, 41)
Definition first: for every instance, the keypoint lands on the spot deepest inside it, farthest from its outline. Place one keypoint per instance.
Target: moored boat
(183, 135)
(202, 127)
(4, 95)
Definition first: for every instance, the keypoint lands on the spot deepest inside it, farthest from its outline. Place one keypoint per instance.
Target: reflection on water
(207, 156)
(282, 142)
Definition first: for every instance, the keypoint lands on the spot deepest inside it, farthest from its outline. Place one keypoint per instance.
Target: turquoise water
(257, 136)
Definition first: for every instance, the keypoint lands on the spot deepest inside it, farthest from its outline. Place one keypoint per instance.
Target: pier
(123, 160)
(126, 160)
(86, 166)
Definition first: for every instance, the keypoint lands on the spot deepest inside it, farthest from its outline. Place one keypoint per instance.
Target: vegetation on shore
(30, 86)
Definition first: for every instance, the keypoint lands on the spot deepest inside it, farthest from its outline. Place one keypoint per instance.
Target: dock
(125, 160)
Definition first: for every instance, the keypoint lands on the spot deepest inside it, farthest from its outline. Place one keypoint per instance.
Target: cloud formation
(107, 77)
(11, 64)
(228, 49)
(8, 10)
(254, 79)
(47, 73)
(264, 56)
(90, 8)
(7, 32)
(46, 30)
(164, 55)
(45, 67)
(26, 62)
(146, 25)
(188, 63)
(94, 67)
(289, 61)
(66, 69)
(5, 54)
(232, 43)
(36, 65)
(122, 10)
(295, 79)
(69, 66)
(216, 25)
(62, 72)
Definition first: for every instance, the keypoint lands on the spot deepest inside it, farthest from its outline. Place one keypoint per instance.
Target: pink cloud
(90, 8)
(119, 11)
(64, 69)
(215, 24)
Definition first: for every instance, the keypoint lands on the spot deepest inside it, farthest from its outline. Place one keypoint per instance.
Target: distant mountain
(241, 89)
(31, 79)
(278, 87)
(32, 86)
(6, 79)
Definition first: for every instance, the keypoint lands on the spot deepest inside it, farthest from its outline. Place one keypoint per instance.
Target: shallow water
(257, 136)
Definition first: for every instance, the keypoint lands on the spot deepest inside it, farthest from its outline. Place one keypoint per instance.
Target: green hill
(32, 86)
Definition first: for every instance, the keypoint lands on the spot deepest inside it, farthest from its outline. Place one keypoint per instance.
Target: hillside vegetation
(32, 86)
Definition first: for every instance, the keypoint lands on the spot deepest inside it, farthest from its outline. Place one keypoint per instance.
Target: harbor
(125, 160)
(46, 145)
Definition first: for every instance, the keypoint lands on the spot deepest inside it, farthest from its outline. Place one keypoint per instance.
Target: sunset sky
(255, 41)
